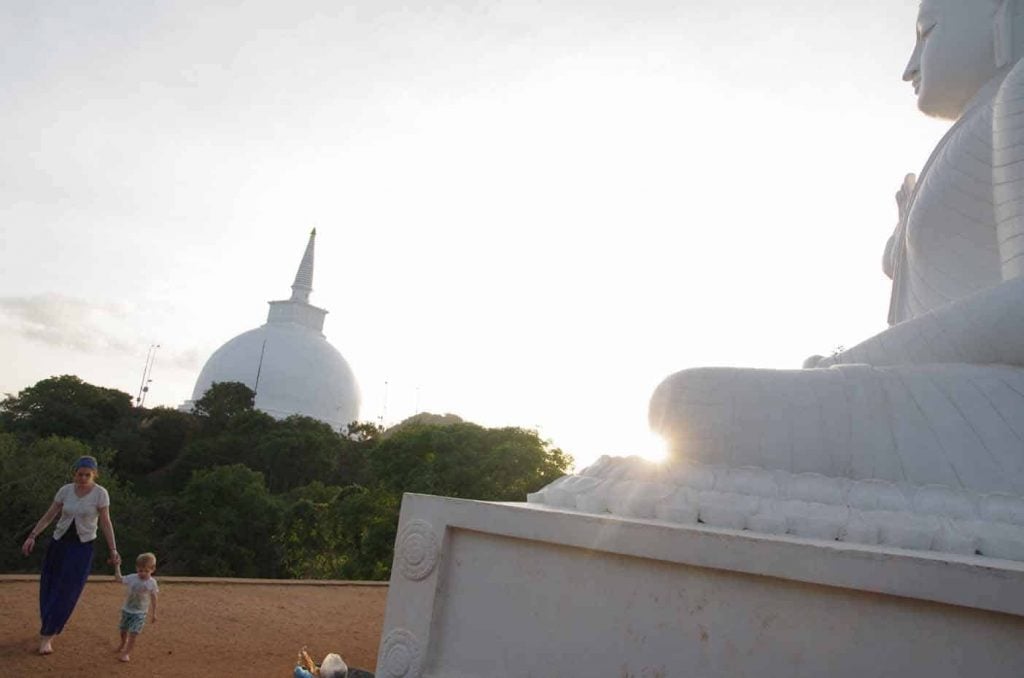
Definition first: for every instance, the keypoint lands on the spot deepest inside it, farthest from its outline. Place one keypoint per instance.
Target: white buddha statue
(939, 396)
(924, 420)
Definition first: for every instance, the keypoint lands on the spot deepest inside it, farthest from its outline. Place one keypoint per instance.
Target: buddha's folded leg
(953, 424)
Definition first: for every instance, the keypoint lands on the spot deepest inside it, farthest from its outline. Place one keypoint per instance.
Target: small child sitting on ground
(141, 597)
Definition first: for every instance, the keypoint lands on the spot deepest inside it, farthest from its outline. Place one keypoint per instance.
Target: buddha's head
(960, 46)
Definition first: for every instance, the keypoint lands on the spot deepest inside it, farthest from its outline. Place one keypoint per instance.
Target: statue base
(493, 589)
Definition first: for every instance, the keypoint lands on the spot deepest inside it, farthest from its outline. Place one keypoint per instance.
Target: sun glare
(653, 448)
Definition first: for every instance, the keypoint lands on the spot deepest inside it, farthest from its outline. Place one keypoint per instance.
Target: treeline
(229, 491)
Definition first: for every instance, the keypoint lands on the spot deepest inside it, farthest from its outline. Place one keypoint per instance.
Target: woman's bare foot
(45, 646)
(124, 658)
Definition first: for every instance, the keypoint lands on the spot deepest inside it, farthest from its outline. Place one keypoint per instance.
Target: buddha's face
(953, 55)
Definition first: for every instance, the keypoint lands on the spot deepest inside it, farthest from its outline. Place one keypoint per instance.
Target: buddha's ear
(1008, 28)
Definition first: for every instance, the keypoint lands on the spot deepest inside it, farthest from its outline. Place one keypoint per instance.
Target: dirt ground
(206, 628)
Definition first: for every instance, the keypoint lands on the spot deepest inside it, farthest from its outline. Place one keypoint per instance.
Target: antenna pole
(259, 368)
(147, 372)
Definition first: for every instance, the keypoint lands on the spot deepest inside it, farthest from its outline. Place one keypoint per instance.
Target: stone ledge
(970, 581)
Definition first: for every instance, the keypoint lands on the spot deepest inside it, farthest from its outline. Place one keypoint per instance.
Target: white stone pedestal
(487, 589)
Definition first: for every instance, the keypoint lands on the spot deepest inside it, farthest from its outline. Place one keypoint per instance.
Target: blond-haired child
(140, 598)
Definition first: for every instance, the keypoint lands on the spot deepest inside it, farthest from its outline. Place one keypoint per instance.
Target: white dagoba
(287, 361)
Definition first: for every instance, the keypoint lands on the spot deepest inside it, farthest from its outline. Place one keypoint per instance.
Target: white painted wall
(482, 589)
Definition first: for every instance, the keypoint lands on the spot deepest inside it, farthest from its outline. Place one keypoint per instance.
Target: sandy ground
(250, 628)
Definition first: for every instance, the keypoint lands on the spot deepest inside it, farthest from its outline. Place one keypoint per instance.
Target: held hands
(115, 559)
(894, 248)
(903, 197)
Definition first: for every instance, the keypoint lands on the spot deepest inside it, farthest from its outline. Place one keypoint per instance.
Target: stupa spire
(298, 310)
(303, 284)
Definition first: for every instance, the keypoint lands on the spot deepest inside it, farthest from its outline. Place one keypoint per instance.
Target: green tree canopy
(310, 537)
(235, 442)
(226, 523)
(166, 432)
(64, 406)
(223, 401)
(230, 491)
(297, 451)
(468, 461)
(367, 522)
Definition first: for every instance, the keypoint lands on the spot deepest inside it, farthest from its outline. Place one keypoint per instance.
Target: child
(142, 591)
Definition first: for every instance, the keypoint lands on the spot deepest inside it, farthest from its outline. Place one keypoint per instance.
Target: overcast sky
(528, 213)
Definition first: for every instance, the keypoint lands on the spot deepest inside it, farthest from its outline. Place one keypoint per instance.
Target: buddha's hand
(903, 197)
(893, 247)
(813, 361)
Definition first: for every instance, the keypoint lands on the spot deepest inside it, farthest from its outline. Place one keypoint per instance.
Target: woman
(82, 506)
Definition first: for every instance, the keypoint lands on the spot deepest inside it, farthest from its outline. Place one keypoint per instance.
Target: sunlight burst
(653, 448)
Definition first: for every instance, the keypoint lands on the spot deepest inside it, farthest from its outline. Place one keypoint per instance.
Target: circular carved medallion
(399, 655)
(417, 549)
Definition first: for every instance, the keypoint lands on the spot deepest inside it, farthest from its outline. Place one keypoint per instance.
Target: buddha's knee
(694, 403)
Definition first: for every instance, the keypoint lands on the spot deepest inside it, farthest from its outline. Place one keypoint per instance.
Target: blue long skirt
(65, 570)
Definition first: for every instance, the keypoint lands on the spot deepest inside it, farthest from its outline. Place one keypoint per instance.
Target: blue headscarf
(85, 462)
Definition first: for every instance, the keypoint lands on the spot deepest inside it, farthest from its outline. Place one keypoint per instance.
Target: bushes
(230, 491)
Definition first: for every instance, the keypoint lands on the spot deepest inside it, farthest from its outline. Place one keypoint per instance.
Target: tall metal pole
(147, 374)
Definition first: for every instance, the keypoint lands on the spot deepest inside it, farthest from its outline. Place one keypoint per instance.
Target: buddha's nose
(913, 65)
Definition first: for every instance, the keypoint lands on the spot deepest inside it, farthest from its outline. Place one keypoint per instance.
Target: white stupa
(287, 361)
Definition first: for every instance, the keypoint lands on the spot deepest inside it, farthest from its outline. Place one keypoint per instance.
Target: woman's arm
(108, 533)
(51, 513)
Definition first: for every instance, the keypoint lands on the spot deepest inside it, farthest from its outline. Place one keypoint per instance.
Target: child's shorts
(132, 622)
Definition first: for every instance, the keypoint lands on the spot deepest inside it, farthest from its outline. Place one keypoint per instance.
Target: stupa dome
(287, 361)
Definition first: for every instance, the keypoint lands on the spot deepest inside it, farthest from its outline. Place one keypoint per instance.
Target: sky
(528, 213)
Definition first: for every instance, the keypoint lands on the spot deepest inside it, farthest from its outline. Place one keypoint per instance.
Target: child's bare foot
(119, 650)
(124, 658)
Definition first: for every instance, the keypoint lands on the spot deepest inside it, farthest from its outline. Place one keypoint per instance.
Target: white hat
(333, 666)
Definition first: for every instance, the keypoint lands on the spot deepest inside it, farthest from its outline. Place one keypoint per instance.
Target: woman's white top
(85, 511)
